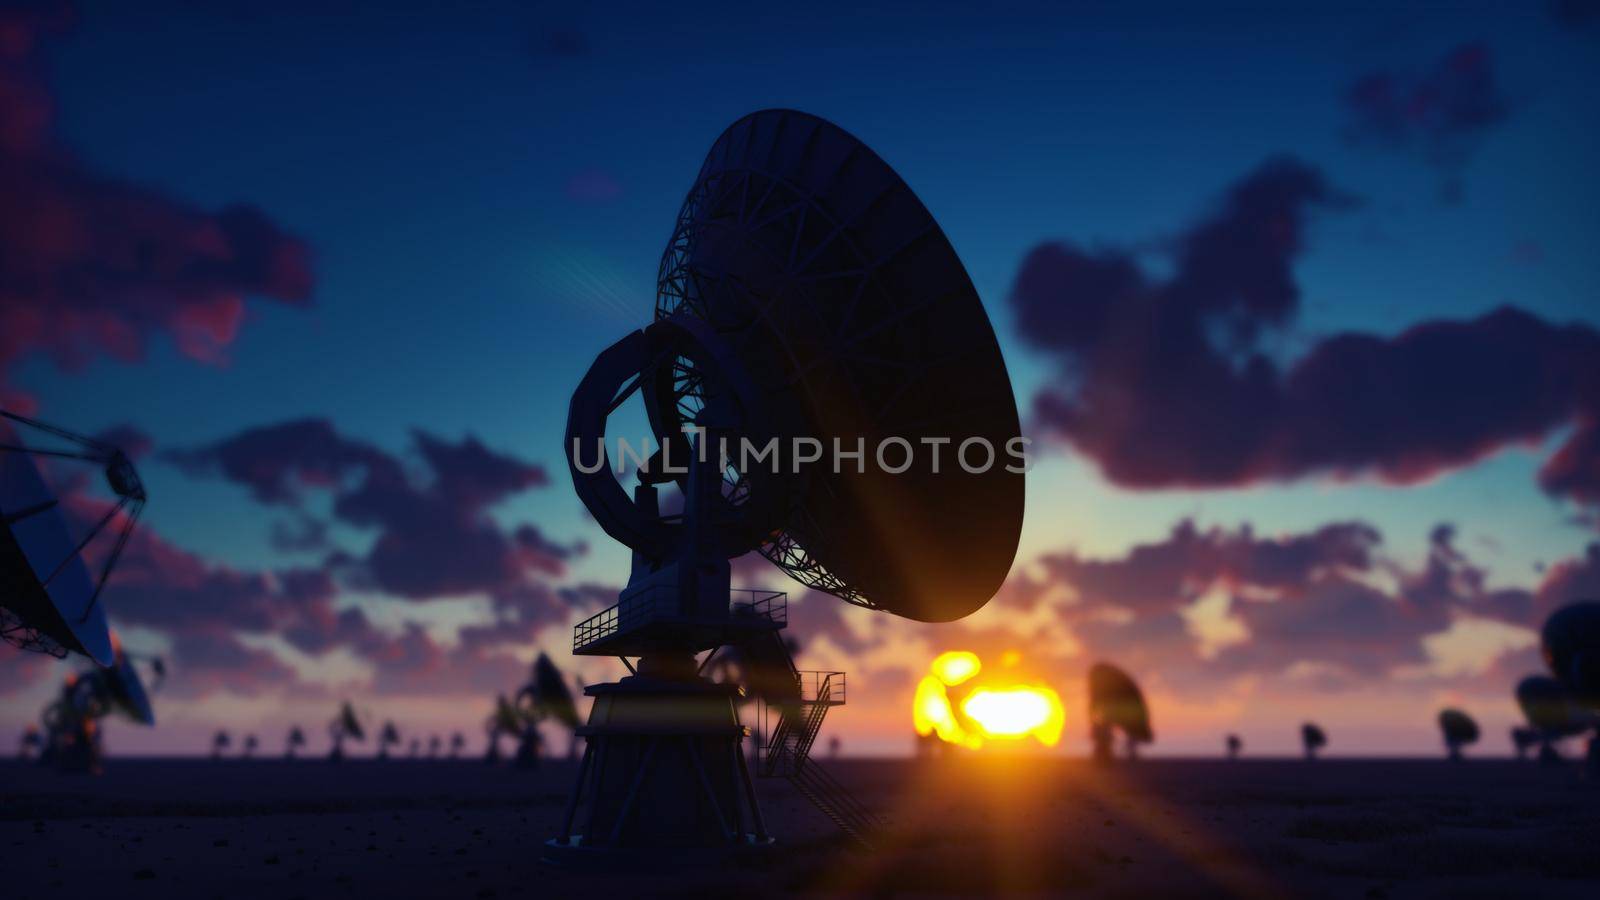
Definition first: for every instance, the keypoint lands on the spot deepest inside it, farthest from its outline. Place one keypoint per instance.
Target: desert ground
(993, 825)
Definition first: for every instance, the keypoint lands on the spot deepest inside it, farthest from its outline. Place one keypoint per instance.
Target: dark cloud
(434, 534)
(1176, 570)
(1170, 382)
(1442, 113)
(212, 613)
(1323, 611)
(129, 439)
(94, 266)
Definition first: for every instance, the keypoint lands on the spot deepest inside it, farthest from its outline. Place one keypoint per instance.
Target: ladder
(788, 752)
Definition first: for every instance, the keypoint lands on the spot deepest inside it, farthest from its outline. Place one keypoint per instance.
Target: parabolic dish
(43, 580)
(1458, 727)
(1570, 641)
(127, 691)
(1550, 707)
(1115, 699)
(847, 306)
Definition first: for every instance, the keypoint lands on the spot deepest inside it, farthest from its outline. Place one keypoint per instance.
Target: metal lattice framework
(25, 637)
(811, 246)
(124, 482)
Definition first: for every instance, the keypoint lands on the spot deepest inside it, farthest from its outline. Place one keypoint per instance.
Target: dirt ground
(1020, 826)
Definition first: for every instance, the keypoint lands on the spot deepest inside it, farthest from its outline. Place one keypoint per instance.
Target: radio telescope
(1116, 704)
(345, 725)
(1570, 641)
(72, 721)
(49, 602)
(1459, 730)
(805, 294)
(1313, 739)
(1552, 712)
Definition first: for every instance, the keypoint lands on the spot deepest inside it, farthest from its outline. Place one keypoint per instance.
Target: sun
(997, 709)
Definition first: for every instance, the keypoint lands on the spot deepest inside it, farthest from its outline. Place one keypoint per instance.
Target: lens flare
(1017, 712)
(955, 667)
(1006, 712)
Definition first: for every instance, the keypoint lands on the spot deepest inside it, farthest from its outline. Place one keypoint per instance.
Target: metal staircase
(786, 752)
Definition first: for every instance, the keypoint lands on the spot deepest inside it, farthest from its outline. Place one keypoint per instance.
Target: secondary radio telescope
(807, 305)
(49, 602)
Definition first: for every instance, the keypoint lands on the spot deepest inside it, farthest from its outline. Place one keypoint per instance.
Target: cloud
(231, 629)
(91, 265)
(1169, 382)
(1210, 612)
(1442, 113)
(434, 535)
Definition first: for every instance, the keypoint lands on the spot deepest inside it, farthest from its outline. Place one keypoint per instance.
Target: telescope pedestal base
(663, 775)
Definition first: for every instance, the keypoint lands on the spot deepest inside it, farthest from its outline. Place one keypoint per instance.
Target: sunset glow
(999, 711)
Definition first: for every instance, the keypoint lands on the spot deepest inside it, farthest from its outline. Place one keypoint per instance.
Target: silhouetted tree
(1235, 744)
(250, 744)
(219, 742)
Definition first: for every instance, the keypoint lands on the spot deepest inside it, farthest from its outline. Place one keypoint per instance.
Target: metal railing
(771, 605)
(823, 687)
(661, 602)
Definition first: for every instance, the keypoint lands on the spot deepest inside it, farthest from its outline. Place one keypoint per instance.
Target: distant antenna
(806, 294)
(388, 737)
(1459, 730)
(48, 601)
(295, 740)
(72, 721)
(1552, 713)
(544, 698)
(1116, 704)
(503, 722)
(1313, 739)
(1570, 640)
(345, 726)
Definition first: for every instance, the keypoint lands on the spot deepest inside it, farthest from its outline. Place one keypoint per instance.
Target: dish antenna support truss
(33, 614)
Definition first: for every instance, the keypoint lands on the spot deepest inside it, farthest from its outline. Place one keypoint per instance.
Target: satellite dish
(1570, 641)
(806, 295)
(1550, 708)
(1459, 730)
(1313, 738)
(48, 600)
(1116, 704)
(546, 695)
(388, 737)
(809, 293)
(293, 742)
(124, 691)
(346, 725)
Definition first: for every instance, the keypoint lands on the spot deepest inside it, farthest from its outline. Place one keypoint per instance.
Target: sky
(1299, 304)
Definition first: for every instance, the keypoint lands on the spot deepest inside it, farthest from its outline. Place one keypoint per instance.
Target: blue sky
(487, 193)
